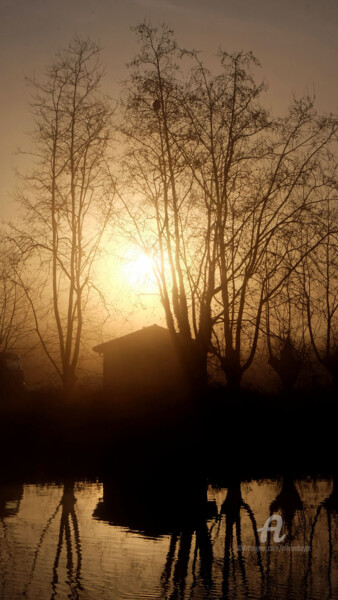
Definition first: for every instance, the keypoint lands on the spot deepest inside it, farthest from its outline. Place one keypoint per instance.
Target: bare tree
(262, 178)
(319, 281)
(224, 189)
(224, 127)
(67, 201)
(285, 330)
(14, 323)
(163, 215)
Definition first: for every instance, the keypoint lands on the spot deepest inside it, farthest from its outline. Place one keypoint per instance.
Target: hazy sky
(296, 41)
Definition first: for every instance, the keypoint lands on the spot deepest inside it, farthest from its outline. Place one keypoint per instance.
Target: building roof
(146, 333)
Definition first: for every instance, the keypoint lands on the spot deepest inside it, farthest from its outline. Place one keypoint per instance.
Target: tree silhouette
(66, 201)
(14, 323)
(161, 222)
(218, 189)
(285, 336)
(318, 277)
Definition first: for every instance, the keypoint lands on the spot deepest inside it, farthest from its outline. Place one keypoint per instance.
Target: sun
(137, 271)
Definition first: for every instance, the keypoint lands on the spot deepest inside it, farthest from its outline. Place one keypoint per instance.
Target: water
(114, 541)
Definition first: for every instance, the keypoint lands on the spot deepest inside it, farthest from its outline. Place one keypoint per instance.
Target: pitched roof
(146, 332)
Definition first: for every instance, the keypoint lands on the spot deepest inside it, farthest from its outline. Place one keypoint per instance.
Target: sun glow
(137, 271)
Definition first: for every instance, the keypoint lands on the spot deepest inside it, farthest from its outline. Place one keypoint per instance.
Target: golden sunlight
(137, 271)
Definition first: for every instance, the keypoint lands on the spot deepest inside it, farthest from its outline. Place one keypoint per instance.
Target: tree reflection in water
(68, 519)
(204, 531)
(68, 522)
(330, 506)
(177, 507)
(204, 557)
(10, 498)
(192, 522)
(289, 504)
(231, 509)
(181, 543)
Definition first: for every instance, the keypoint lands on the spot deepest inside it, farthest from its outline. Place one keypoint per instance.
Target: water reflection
(330, 506)
(168, 539)
(68, 539)
(152, 507)
(289, 505)
(10, 497)
(194, 532)
(69, 530)
(231, 508)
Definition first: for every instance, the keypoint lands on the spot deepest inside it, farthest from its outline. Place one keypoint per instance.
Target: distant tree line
(236, 208)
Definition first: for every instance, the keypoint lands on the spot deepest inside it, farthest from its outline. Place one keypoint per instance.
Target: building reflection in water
(178, 509)
(10, 498)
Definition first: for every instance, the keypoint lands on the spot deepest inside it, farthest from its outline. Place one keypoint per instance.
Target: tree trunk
(68, 382)
(233, 372)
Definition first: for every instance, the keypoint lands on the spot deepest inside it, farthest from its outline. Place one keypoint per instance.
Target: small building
(143, 363)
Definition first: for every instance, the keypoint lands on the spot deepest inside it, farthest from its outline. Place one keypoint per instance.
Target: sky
(295, 40)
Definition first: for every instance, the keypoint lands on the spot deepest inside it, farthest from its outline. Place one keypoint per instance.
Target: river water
(108, 541)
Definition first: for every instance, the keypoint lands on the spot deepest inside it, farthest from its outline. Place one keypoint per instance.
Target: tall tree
(163, 215)
(67, 200)
(318, 278)
(262, 178)
(223, 189)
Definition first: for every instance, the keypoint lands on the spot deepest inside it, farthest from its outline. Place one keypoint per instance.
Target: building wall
(146, 367)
